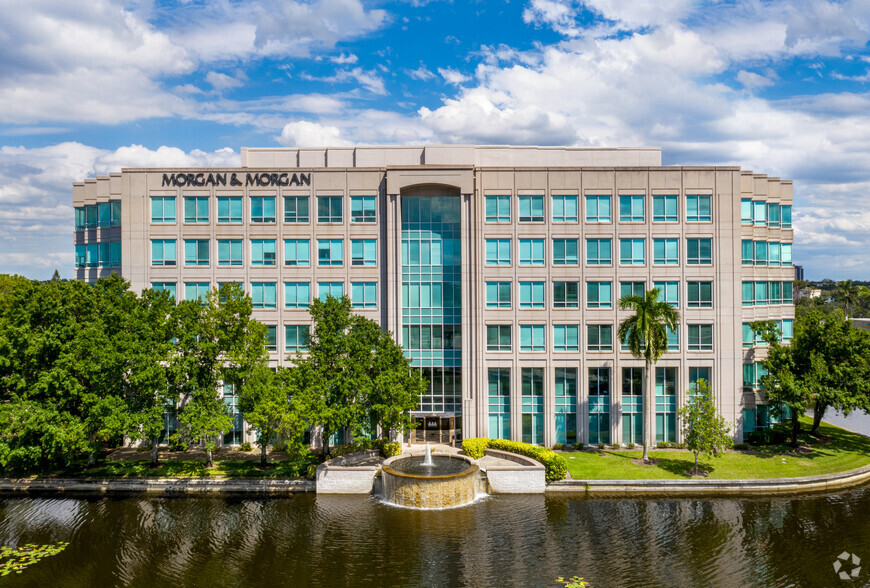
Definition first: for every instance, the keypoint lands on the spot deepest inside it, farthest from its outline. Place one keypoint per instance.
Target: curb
(806, 484)
(153, 486)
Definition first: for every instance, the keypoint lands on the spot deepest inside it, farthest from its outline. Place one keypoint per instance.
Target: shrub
(741, 446)
(616, 446)
(558, 446)
(391, 448)
(767, 437)
(630, 445)
(311, 471)
(579, 446)
(246, 446)
(556, 468)
(601, 446)
(664, 445)
(176, 443)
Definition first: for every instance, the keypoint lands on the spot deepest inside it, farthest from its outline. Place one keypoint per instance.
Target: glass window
(297, 252)
(746, 211)
(785, 216)
(92, 254)
(498, 252)
(230, 252)
(196, 291)
(700, 295)
(531, 252)
(295, 338)
(498, 294)
(759, 213)
(533, 405)
(748, 335)
(498, 209)
(363, 209)
(599, 338)
(196, 252)
(773, 215)
(787, 330)
(364, 252)
(598, 209)
(499, 380)
(748, 251)
(699, 208)
(632, 289)
(666, 404)
(116, 212)
(564, 209)
(264, 294)
(774, 252)
(666, 252)
(498, 337)
(700, 337)
(668, 292)
(566, 295)
(699, 251)
(566, 338)
(599, 294)
(81, 255)
(80, 216)
(532, 338)
(531, 294)
(229, 209)
(631, 209)
(262, 209)
(599, 405)
(531, 209)
(786, 254)
(296, 209)
(164, 286)
(329, 209)
(673, 339)
(196, 209)
(330, 251)
(262, 252)
(91, 216)
(699, 373)
(760, 252)
(566, 405)
(632, 405)
(110, 254)
(163, 209)
(787, 292)
(271, 337)
(334, 289)
(104, 215)
(364, 294)
(565, 252)
(598, 252)
(665, 209)
(297, 294)
(163, 252)
(748, 294)
(632, 251)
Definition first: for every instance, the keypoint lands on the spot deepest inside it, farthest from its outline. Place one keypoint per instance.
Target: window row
(784, 326)
(297, 252)
(599, 209)
(767, 293)
(297, 295)
(101, 215)
(598, 338)
(598, 386)
(763, 214)
(599, 295)
(107, 254)
(766, 253)
(530, 252)
(263, 209)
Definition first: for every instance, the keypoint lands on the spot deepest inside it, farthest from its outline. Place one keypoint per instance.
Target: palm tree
(646, 336)
(849, 293)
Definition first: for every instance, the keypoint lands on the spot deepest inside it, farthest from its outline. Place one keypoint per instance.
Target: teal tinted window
(599, 338)
(297, 294)
(330, 252)
(498, 337)
(196, 209)
(363, 209)
(699, 208)
(196, 291)
(364, 252)
(364, 294)
(632, 251)
(746, 211)
(163, 209)
(599, 294)
(564, 209)
(163, 252)
(599, 406)
(498, 252)
(533, 405)
(297, 252)
(262, 209)
(631, 209)
(264, 294)
(296, 209)
(196, 252)
(164, 286)
(230, 252)
(263, 252)
(785, 216)
(334, 289)
(565, 252)
(566, 295)
(229, 209)
(666, 252)
(498, 209)
(531, 209)
(295, 338)
(566, 405)
(532, 295)
(499, 388)
(666, 404)
(700, 338)
(532, 338)
(498, 294)
(631, 289)
(104, 213)
(566, 338)
(329, 209)
(598, 252)
(531, 252)
(665, 209)
(699, 251)
(668, 292)
(598, 209)
(700, 294)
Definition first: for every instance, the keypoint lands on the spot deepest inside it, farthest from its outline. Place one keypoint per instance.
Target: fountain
(430, 481)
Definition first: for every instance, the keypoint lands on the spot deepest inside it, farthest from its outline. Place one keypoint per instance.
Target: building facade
(498, 269)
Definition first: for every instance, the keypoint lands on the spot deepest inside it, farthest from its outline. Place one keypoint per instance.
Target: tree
(645, 333)
(848, 293)
(704, 429)
(354, 373)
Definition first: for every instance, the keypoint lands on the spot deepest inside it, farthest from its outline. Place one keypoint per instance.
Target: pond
(306, 540)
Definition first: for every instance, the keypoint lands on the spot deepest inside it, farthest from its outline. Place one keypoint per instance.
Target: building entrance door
(436, 429)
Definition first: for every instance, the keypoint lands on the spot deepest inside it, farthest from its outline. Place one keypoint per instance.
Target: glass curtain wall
(632, 405)
(566, 405)
(431, 298)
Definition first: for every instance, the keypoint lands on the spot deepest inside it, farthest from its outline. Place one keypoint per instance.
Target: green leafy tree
(704, 429)
(848, 293)
(645, 334)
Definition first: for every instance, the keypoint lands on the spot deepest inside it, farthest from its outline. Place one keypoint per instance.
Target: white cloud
(451, 76)
(302, 133)
(421, 73)
(753, 81)
(344, 59)
(368, 79)
(220, 81)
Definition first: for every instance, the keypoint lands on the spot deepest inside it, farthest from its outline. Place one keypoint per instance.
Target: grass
(195, 469)
(843, 451)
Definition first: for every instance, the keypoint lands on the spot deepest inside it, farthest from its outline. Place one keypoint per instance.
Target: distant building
(861, 323)
(497, 268)
(798, 272)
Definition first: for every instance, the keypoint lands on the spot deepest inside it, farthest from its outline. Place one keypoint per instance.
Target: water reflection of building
(497, 268)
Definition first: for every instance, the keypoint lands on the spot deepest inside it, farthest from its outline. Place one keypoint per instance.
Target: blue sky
(778, 87)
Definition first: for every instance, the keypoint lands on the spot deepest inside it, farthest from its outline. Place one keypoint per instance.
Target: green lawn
(187, 469)
(845, 451)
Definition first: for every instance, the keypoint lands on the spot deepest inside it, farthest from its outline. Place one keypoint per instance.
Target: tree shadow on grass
(678, 467)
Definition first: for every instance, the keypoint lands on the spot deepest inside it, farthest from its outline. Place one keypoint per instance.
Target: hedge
(555, 465)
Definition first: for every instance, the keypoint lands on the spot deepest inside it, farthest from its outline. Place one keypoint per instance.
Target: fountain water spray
(427, 458)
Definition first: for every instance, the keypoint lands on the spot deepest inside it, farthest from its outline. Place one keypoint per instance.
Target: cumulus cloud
(421, 73)
(368, 79)
(753, 81)
(220, 81)
(451, 76)
(302, 133)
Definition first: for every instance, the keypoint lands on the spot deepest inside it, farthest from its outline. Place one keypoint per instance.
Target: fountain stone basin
(450, 481)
